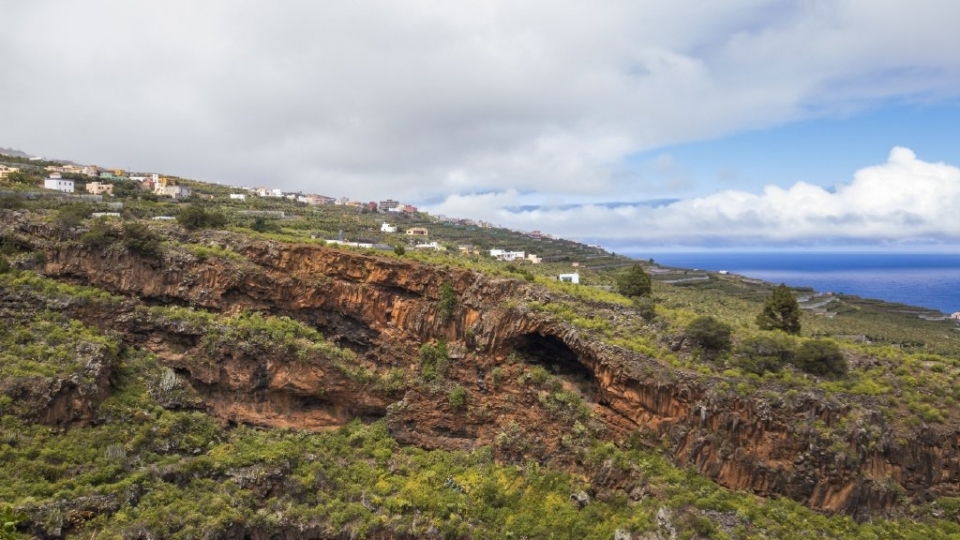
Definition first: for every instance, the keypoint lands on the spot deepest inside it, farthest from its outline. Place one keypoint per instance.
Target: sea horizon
(928, 280)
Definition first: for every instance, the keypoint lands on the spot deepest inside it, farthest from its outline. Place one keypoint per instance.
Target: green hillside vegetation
(153, 466)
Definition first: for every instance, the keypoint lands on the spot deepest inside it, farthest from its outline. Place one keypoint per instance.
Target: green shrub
(821, 357)
(457, 397)
(197, 217)
(73, 215)
(101, 235)
(433, 360)
(138, 238)
(709, 333)
(448, 301)
(763, 353)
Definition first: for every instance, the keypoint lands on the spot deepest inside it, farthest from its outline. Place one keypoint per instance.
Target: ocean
(926, 280)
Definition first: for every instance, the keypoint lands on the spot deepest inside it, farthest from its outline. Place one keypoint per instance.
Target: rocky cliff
(385, 308)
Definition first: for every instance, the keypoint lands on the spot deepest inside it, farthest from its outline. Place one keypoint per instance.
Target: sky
(632, 124)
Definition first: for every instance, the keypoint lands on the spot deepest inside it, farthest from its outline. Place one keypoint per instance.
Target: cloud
(903, 201)
(419, 99)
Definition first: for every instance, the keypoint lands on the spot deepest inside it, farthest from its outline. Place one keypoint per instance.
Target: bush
(821, 357)
(448, 301)
(458, 397)
(261, 225)
(11, 203)
(138, 238)
(433, 360)
(646, 308)
(709, 334)
(197, 217)
(634, 282)
(73, 215)
(768, 352)
(100, 235)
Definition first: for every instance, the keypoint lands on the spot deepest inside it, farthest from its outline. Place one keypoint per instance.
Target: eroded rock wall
(384, 308)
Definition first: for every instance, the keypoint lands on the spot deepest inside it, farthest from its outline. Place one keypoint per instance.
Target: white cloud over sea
(905, 201)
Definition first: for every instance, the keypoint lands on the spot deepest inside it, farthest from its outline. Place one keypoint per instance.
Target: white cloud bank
(905, 201)
(414, 99)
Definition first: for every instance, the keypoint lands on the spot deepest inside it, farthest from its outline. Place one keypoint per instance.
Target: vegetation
(198, 217)
(780, 312)
(447, 302)
(821, 357)
(153, 463)
(433, 360)
(635, 282)
(140, 239)
(457, 397)
(709, 334)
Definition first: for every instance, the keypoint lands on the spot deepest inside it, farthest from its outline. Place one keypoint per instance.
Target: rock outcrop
(384, 308)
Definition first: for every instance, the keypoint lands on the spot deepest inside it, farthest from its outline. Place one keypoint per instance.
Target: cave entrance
(554, 355)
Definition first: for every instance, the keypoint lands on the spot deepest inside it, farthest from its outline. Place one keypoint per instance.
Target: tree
(780, 312)
(821, 357)
(447, 302)
(634, 283)
(709, 334)
(138, 238)
(196, 217)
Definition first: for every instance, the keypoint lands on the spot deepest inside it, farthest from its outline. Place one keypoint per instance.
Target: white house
(238, 196)
(569, 278)
(386, 227)
(430, 245)
(176, 192)
(59, 184)
(503, 255)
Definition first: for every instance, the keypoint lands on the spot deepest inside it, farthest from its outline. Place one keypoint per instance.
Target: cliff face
(384, 309)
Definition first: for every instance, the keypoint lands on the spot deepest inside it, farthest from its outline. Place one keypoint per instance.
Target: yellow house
(5, 171)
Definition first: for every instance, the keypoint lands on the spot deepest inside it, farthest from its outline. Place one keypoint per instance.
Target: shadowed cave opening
(554, 355)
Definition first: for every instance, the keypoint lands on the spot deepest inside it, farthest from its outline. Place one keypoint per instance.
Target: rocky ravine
(384, 308)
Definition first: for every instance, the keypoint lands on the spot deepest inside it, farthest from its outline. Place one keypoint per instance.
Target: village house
(503, 255)
(317, 200)
(99, 188)
(59, 184)
(388, 228)
(569, 278)
(417, 231)
(389, 204)
(172, 191)
(430, 245)
(6, 171)
(533, 259)
(238, 196)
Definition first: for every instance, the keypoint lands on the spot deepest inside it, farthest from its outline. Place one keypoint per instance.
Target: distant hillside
(13, 153)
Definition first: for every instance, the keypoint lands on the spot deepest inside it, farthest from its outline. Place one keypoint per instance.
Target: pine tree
(780, 312)
(634, 283)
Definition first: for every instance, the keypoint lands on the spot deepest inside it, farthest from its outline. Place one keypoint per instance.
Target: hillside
(234, 376)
